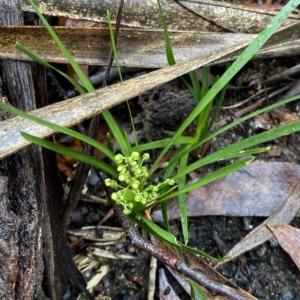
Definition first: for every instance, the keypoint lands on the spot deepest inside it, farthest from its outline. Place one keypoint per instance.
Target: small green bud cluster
(133, 176)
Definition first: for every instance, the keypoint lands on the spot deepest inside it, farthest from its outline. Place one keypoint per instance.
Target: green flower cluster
(133, 175)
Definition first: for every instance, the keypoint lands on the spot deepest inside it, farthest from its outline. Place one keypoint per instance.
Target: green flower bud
(121, 168)
(138, 171)
(130, 205)
(135, 184)
(134, 164)
(122, 177)
(108, 181)
(146, 156)
(170, 181)
(126, 211)
(155, 188)
(114, 196)
(144, 201)
(135, 155)
(137, 198)
(119, 158)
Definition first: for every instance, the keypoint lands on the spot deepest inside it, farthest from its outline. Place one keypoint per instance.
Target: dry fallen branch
(204, 15)
(134, 238)
(138, 47)
(72, 111)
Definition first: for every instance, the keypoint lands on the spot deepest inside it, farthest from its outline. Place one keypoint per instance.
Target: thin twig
(135, 239)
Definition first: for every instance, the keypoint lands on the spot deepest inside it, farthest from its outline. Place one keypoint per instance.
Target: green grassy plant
(133, 183)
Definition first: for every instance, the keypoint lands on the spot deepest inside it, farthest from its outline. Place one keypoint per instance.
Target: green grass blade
(182, 200)
(167, 174)
(247, 54)
(195, 288)
(72, 153)
(205, 81)
(197, 91)
(114, 127)
(113, 44)
(33, 56)
(116, 131)
(233, 150)
(116, 57)
(162, 143)
(201, 253)
(59, 128)
(83, 78)
(232, 124)
(212, 177)
(218, 108)
(169, 50)
(156, 230)
(218, 156)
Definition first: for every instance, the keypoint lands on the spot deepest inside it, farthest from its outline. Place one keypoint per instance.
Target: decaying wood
(23, 202)
(9, 250)
(91, 46)
(136, 13)
(234, 17)
(27, 190)
(204, 16)
(72, 111)
(137, 48)
(51, 193)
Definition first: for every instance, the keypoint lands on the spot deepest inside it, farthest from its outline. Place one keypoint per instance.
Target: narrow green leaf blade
(36, 58)
(247, 54)
(201, 253)
(156, 230)
(59, 128)
(83, 78)
(194, 286)
(72, 153)
(212, 177)
(182, 200)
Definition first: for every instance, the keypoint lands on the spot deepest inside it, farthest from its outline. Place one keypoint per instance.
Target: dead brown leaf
(275, 117)
(134, 12)
(256, 190)
(282, 216)
(289, 239)
(91, 46)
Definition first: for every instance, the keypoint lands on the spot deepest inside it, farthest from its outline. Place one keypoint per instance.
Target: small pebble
(273, 242)
(287, 295)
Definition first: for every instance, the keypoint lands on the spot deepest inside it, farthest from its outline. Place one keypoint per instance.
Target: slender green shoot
(116, 56)
(247, 54)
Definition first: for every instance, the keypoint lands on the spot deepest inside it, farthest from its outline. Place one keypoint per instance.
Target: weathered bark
(9, 250)
(20, 197)
(198, 15)
(30, 211)
(136, 13)
(72, 111)
(138, 47)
